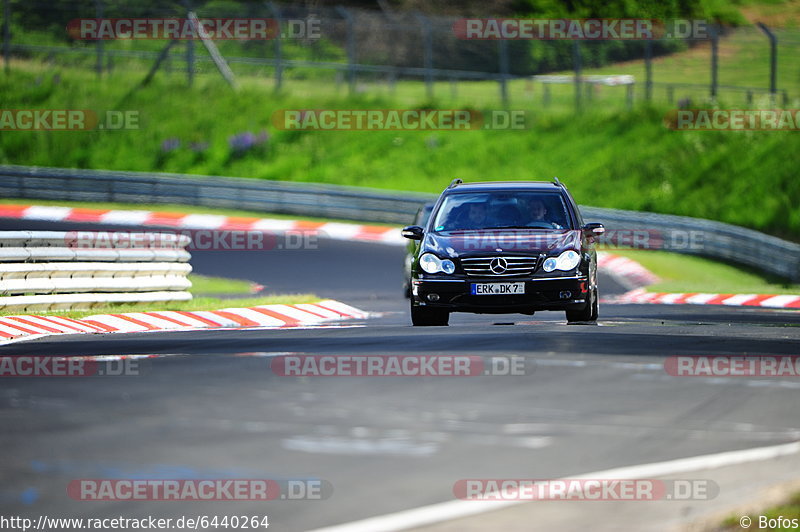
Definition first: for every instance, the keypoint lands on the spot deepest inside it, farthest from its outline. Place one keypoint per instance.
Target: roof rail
(557, 182)
(454, 182)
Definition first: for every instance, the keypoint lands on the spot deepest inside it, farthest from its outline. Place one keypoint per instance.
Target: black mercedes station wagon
(504, 247)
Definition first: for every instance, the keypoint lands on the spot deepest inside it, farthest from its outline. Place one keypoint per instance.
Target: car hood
(508, 241)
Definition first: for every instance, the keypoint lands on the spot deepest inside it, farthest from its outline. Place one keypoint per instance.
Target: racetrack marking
(639, 296)
(457, 509)
(14, 328)
(53, 214)
(661, 374)
(359, 446)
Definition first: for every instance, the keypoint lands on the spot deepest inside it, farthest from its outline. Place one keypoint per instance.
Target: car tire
(589, 313)
(428, 317)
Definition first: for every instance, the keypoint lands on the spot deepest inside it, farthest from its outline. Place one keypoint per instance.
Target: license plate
(496, 289)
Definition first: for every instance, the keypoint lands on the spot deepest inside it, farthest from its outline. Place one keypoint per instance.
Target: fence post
(629, 92)
(276, 12)
(189, 49)
(714, 61)
(427, 37)
(502, 50)
(773, 61)
(648, 70)
(576, 64)
(6, 33)
(351, 48)
(98, 12)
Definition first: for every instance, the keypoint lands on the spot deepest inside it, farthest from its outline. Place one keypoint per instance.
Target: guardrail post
(502, 51)
(276, 12)
(351, 47)
(6, 33)
(576, 64)
(189, 50)
(98, 12)
(773, 60)
(390, 34)
(427, 38)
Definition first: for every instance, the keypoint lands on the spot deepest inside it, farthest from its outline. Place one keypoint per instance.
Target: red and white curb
(627, 272)
(25, 327)
(634, 276)
(212, 222)
(640, 296)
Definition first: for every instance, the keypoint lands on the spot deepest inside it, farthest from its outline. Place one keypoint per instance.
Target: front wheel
(429, 317)
(589, 313)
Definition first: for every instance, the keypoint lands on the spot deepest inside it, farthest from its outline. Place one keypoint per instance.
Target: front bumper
(551, 293)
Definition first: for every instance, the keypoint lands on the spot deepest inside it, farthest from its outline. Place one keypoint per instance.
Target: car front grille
(515, 266)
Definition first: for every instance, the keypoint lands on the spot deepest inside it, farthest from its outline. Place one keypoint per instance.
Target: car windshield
(502, 210)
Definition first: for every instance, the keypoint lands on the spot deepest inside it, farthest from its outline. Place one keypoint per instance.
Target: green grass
(688, 274)
(198, 303)
(790, 509)
(207, 285)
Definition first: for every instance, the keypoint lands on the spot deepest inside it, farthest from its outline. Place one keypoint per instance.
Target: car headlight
(433, 264)
(564, 262)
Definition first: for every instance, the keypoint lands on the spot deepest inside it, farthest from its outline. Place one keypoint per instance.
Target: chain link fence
(413, 55)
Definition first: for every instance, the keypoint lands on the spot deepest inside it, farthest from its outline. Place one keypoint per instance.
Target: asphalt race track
(592, 398)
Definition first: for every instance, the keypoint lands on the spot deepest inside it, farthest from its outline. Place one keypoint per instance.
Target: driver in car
(476, 216)
(537, 210)
(536, 213)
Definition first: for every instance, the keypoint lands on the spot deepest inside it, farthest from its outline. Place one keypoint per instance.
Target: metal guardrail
(717, 240)
(712, 239)
(62, 270)
(329, 201)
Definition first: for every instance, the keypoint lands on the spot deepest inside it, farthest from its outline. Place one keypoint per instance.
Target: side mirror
(594, 229)
(413, 232)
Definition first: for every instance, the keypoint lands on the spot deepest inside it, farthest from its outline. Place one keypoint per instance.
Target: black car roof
(541, 186)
